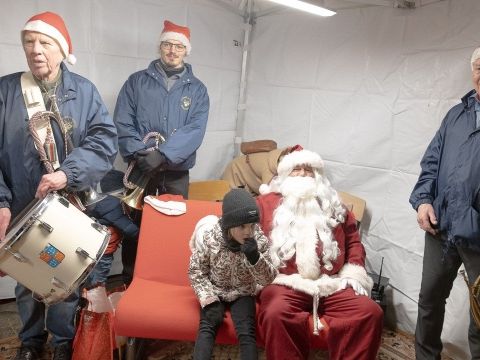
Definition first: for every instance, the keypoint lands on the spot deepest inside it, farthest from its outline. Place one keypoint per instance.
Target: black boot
(63, 352)
(27, 352)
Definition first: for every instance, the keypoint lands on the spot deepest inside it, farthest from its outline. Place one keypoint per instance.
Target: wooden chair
(209, 190)
(354, 204)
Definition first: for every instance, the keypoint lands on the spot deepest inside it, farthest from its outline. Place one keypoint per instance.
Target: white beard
(299, 223)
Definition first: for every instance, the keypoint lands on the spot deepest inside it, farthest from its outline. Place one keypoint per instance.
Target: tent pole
(241, 106)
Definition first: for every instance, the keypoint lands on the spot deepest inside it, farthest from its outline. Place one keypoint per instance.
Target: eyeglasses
(168, 45)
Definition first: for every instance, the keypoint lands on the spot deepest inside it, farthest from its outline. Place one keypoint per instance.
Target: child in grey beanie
(226, 270)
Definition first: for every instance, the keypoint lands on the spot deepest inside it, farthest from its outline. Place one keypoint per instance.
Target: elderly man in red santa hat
(49, 85)
(316, 246)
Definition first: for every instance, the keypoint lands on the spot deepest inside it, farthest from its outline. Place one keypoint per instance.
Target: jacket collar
(185, 78)
(69, 88)
(468, 100)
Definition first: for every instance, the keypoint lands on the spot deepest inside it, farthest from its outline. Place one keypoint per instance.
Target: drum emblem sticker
(52, 256)
(186, 102)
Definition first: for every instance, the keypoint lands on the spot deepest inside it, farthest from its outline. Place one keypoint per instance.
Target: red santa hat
(172, 31)
(296, 158)
(52, 25)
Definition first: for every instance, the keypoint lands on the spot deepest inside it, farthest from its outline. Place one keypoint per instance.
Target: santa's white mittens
(355, 285)
(358, 273)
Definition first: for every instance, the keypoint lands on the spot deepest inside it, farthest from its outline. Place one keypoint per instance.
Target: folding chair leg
(130, 351)
(135, 348)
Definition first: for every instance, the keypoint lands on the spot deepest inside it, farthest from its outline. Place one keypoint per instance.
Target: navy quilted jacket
(450, 176)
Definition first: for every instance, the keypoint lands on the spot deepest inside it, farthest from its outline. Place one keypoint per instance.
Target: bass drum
(51, 247)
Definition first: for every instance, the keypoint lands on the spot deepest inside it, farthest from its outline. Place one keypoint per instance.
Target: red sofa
(160, 304)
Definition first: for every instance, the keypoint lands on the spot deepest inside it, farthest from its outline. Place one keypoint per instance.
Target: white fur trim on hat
(72, 59)
(295, 158)
(49, 30)
(264, 189)
(170, 35)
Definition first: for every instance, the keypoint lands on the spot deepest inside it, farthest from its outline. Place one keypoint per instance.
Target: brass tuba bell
(135, 198)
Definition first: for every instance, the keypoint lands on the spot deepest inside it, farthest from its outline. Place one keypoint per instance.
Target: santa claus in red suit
(316, 246)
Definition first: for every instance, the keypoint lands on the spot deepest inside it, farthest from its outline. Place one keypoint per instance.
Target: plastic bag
(95, 337)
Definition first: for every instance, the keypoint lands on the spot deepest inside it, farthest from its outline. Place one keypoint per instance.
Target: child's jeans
(243, 316)
(99, 274)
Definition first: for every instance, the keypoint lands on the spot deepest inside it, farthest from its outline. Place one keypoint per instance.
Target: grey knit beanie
(238, 208)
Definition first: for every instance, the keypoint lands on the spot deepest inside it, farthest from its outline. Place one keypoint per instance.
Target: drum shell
(52, 264)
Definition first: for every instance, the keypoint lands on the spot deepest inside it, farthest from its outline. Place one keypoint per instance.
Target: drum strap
(32, 96)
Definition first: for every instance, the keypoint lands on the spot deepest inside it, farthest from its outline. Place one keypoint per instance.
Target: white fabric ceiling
(366, 88)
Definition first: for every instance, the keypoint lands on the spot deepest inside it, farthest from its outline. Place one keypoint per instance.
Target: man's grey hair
(475, 56)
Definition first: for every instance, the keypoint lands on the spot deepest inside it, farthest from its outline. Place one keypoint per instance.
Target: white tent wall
(367, 89)
(114, 38)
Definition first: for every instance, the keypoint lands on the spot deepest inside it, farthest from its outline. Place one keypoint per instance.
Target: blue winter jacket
(180, 114)
(450, 176)
(94, 138)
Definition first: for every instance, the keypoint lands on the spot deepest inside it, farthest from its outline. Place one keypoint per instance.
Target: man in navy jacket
(447, 200)
(46, 43)
(165, 98)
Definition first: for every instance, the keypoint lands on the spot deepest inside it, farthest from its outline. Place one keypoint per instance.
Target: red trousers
(355, 324)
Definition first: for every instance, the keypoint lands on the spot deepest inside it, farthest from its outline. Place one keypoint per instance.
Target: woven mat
(395, 346)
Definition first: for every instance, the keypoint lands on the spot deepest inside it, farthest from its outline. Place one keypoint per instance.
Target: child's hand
(250, 249)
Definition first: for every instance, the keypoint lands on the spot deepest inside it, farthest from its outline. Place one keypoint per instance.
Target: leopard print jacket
(216, 273)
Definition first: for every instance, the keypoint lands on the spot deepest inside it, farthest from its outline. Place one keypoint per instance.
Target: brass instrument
(474, 291)
(134, 199)
(90, 196)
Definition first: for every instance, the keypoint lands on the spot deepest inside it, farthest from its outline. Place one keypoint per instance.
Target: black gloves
(149, 161)
(214, 313)
(135, 176)
(250, 249)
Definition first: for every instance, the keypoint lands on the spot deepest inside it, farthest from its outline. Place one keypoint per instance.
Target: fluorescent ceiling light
(304, 6)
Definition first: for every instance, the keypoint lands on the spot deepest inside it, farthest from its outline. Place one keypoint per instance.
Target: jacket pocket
(468, 226)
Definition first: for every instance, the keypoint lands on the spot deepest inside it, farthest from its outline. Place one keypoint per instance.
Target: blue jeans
(58, 319)
(99, 274)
